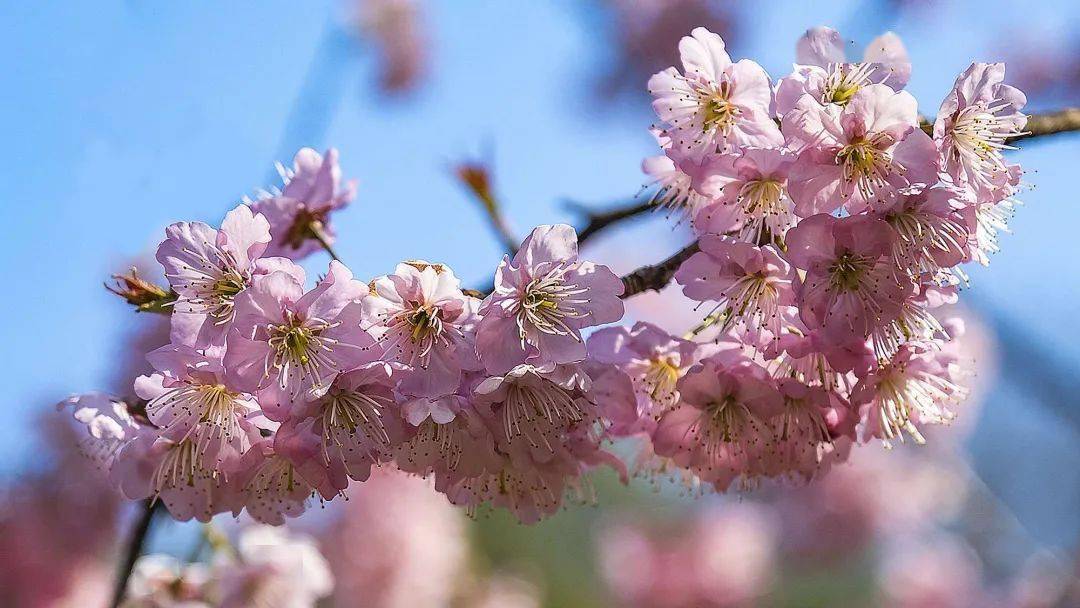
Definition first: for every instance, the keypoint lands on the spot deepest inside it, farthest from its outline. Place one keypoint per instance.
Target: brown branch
(599, 220)
(134, 549)
(1050, 123)
(656, 276)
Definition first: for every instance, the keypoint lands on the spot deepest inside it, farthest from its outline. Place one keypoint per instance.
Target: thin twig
(599, 220)
(318, 232)
(476, 177)
(148, 508)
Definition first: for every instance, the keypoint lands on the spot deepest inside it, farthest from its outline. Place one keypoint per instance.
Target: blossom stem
(148, 509)
(319, 234)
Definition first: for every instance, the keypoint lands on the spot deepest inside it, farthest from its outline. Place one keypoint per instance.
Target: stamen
(546, 303)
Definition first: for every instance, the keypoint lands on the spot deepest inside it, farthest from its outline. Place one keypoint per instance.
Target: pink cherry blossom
(269, 483)
(714, 103)
(973, 123)
(814, 358)
(450, 438)
(852, 285)
(535, 408)
(931, 233)
(653, 359)
(914, 388)
(186, 478)
(750, 285)
(529, 488)
(312, 191)
(860, 155)
(422, 320)
(721, 429)
(672, 186)
(543, 297)
(207, 268)
(750, 193)
(109, 426)
(354, 424)
(823, 74)
(187, 400)
(815, 430)
(286, 346)
(987, 219)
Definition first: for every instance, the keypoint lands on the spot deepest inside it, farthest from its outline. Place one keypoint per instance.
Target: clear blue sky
(121, 117)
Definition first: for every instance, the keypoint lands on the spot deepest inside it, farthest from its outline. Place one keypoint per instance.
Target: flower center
(348, 413)
(978, 137)
(538, 412)
(801, 420)
(902, 392)
(181, 466)
(719, 113)
(547, 302)
(866, 164)
(848, 271)
(844, 80)
(212, 286)
(661, 378)
(299, 346)
(723, 426)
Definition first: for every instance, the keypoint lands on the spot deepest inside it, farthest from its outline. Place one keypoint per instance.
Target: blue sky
(121, 117)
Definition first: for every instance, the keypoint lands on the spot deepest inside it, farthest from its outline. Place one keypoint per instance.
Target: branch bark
(656, 276)
(1051, 123)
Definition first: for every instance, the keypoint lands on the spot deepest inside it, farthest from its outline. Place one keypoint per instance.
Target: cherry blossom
(545, 296)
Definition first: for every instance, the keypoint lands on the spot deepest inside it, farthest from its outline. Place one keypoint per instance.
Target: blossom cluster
(271, 393)
(831, 226)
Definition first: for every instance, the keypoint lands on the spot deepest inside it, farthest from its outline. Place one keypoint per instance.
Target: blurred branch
(476, 177)
(134, 549)
(1051, 123)
(656, 276)
(320, 92)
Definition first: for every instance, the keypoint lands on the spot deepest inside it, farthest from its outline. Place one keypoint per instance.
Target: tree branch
(599, 220)
(656, 276)
(134, 549)
(1051, 123)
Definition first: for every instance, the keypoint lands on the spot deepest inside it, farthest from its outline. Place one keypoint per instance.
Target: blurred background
(121, 117)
